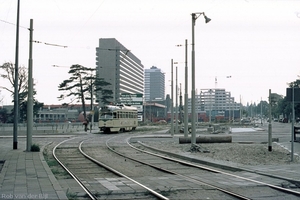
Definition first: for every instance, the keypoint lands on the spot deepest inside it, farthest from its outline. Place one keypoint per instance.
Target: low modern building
(59, 113)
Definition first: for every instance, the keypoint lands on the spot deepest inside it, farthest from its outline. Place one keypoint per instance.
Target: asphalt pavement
(281, 133)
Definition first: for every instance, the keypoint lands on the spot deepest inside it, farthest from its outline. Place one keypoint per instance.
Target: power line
(12, 24)
(57, 45)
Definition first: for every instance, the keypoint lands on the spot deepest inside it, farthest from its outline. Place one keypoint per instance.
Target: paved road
(280, 131)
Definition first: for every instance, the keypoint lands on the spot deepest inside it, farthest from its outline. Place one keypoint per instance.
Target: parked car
(246, 121)
(283, 120)
(162, 122)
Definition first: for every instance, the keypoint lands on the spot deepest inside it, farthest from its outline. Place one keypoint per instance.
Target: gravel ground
(240, 153)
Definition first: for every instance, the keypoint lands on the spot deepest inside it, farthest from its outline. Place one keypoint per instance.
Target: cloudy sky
(256, 42)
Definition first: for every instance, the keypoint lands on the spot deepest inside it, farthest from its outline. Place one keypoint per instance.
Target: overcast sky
(256, 42)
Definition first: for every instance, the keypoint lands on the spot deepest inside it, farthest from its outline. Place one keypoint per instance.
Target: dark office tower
(154, 84)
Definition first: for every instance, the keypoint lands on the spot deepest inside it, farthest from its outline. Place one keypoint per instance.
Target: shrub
(35, 148)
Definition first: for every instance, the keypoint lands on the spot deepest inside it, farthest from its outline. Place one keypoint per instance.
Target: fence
(46, 127)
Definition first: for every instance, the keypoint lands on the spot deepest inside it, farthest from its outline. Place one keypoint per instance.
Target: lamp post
(194, 17)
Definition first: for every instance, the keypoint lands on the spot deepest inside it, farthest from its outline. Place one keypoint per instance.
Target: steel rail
(213, 170)
(88, 192)
(121, 174)
(180, 175)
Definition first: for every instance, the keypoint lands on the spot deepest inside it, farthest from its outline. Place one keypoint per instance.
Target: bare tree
(7, 72)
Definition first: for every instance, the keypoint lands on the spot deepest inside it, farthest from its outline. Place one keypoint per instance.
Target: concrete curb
(59, 191)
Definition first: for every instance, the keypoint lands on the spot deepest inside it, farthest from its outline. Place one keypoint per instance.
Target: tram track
(73, 175)
(255, 183)
(179, 172)
(74, 160)
(176, 173)
(216, 170)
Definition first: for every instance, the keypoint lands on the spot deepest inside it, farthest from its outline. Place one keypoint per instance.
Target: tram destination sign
(131, 99)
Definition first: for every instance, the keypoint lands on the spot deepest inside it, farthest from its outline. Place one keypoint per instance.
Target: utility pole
(293, 123)
(172, 97)
(186, 94)
(30, 92)
(270, 123)
(180, 105)
(16, 91)
(92, 110)
(176, 103)
(240, 109)
(261, 111)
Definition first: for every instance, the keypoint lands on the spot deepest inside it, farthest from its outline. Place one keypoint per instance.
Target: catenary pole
(176, 103)
(261, 111)
(270, 123)
(16, 91)
(186, 94)
(92, 107)
(293, 124)
(30, 92)
(172, 108)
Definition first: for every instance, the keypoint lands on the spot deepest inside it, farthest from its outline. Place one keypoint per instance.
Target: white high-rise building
(119, 67)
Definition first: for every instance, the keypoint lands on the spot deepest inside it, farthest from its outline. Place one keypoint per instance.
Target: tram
(118, 118)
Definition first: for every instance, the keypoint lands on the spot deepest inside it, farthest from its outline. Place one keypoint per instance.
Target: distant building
(58, 113)
(119, 67)
(214, 104)
(154, 84)
(218, 103)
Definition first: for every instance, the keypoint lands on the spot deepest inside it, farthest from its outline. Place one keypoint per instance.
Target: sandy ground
(240, 153)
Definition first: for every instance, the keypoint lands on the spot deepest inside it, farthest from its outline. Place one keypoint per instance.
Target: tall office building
(154, 84)
(118, 66)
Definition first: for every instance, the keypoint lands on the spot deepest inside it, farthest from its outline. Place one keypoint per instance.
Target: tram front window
(106, 116)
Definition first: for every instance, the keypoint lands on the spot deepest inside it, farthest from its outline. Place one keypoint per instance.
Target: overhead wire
(12, 24)
(46, 43)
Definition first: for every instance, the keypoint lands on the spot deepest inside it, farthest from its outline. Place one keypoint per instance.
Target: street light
(194, 17)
